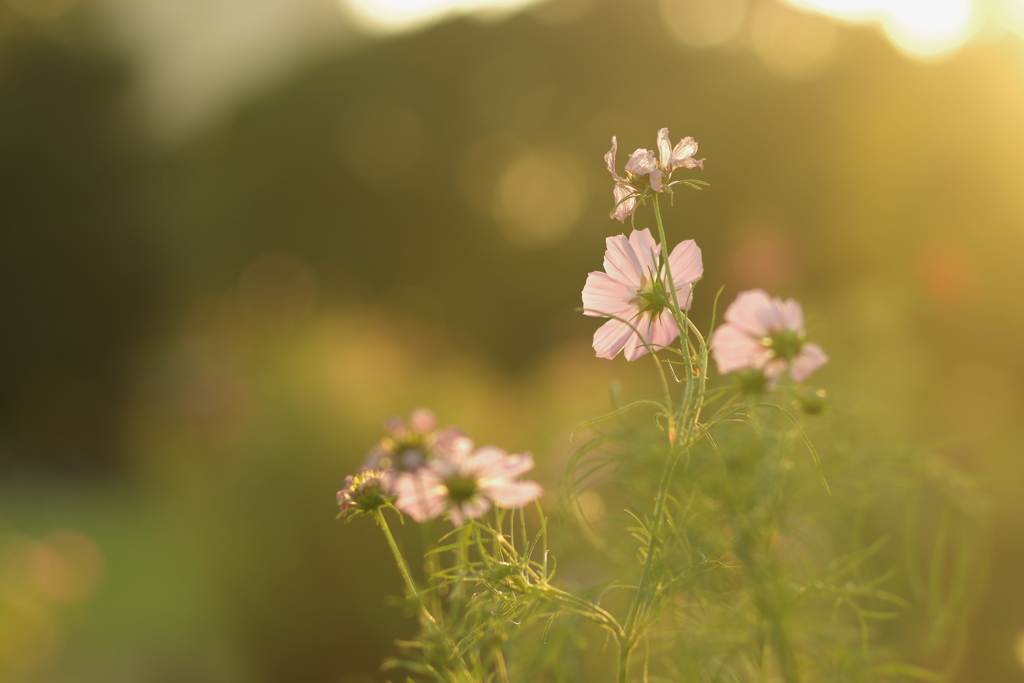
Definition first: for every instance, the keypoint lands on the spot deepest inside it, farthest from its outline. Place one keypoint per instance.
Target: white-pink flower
(635, 293)
(466, 483)
(645, 170)
(765, 334)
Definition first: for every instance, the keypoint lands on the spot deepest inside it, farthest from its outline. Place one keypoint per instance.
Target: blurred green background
(236, 235)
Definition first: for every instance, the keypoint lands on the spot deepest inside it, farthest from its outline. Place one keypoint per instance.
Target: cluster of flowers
(638, 288)
(425, 471)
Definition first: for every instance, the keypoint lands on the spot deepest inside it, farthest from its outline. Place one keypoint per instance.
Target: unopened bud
(812, 403)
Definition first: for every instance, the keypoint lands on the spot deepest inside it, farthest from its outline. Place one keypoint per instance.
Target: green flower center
(786, 344)
(460, 489)
(654, 298)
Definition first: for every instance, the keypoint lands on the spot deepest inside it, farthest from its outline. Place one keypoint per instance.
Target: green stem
(414, 593)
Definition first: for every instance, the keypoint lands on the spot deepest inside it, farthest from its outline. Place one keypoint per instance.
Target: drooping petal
(621, 261)
(609, 159)
(657, 180)
(611, 337)
(605, 297)
(810, 358)
(733, 349)
(625, 201)
(646, 251)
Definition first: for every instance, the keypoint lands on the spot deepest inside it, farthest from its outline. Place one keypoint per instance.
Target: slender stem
(682, 321)
(414, 593)
(403, 568)
(624, 651)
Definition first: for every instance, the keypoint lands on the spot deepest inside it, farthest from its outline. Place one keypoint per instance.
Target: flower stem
(426, 618)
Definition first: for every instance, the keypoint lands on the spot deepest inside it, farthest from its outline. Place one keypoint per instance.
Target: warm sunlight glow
(922, 28)
(389, 16)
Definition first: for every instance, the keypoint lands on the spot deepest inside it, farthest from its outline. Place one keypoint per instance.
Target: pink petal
(656, 178)
(646, 250)
(421, 495)
(625, 201)
(733, 349)
(621, 262)
(474, 508)
(749, 311)
(683, 150)
(491, 462)
(511, 494)
(610, 338)
(664, 148)
(446, 440)
(609, 158)
(792, 315)
(635, 347)
(641, 162)
(810, 358)
(604, 297)
(423, 421)
(664, 329)
(686, 264)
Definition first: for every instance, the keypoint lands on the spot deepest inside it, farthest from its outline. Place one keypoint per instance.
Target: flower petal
(664, 149)
(625, 201)
(423, 421)
(610, 338)
(646, 251)
(641, 162)
(792, 314)
(605, 297)
(810, 358)
(684, 149)
(609, 159)
(752, 311)
(421, 494)
(657, 180)
(474, 508)
(686, 264)
(734, 349)
(511, 494)
(664, 329)
(636, 345)
(621, 262)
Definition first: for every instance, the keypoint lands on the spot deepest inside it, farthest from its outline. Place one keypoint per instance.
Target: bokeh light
(404, 15)
(922, 29)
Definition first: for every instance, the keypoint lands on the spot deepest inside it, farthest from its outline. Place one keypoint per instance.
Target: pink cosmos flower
(645, 170)
(466, 483)
(634, 292)
(765, 334)
(410, 446)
